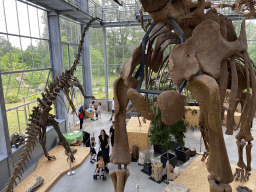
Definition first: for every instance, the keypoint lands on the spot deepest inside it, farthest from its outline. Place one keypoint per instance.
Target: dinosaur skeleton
(40, 117)
(211, 60)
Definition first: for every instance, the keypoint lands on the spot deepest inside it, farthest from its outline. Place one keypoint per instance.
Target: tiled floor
(83, 178)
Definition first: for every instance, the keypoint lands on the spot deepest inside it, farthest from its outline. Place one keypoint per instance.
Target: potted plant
(162, 134)
(147, 166)
(183, 154)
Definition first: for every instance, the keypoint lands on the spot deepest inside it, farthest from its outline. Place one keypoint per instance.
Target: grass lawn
(16, 117)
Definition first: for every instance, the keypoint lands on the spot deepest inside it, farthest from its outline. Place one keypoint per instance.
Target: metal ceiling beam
(121, 23)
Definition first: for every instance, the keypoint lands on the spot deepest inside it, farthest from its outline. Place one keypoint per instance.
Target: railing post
(25, 111)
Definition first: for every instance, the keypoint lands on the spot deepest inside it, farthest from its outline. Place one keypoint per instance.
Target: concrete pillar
(5, 149)
(86, 68)
(56, 60)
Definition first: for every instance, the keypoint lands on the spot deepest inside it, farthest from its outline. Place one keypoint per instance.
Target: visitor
(81, 116)
(100, 165)
(113, 109)
(111, 133)
(104, 144)
(96, 112)
(99, 110)
(92, 149)
(91, 111)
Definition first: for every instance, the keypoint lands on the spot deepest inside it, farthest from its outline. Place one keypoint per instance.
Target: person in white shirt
(91, 111)
(99, 110)
(113, 109)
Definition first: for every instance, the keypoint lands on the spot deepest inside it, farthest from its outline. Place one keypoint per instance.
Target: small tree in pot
(161, 134)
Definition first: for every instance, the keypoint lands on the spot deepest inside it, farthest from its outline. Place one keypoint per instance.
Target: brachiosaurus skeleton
(201, 61)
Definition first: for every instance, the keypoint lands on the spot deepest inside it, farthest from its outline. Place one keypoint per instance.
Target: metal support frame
(56, 58)
(5, 143)
(105, 64)
(86, 68)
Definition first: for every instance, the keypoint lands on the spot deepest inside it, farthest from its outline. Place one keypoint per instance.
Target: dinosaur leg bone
(119, 178)
(63, 140)
(245, 131)
(249, 156)
(42, 140)
(66, 92)
(206, 91)
(240, 146)
(120, 152)
(215, 186)
(232, 99)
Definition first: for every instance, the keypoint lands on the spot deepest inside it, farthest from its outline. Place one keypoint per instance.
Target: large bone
(223, 82)
(212, 14)
(140, 104)
(231, 32)
(240, 146)
(248, 156)
(152, 5)
(206, 91)
(205, 49)
(245, 131)
(119, 178)
(223, 26)
(231, 125)
(121, 153)
(212, 48)
(130, 65)
(218, 187)
(172, 107)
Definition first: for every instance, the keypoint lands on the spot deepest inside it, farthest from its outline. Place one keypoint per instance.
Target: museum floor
(83, 179)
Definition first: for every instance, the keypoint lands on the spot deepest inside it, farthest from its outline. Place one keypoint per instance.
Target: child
(113, 109)
(99, 110)
(100, 166)
(92, 149)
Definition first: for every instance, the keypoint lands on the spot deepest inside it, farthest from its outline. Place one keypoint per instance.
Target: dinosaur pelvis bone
(205, 50)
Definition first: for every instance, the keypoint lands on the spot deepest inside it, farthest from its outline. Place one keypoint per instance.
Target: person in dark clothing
(81, 116)
(104, 144)
(111, 133)
(92, 149)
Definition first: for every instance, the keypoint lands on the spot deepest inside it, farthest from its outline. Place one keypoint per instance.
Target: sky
(29, 21)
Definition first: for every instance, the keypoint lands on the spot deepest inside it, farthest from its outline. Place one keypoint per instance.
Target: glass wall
(70, 39)
(24, 58)
(121, 41)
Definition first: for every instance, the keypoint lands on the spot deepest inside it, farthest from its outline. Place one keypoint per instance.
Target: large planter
(147, 168)
(183, 155)
(159, 149)
(172, 159)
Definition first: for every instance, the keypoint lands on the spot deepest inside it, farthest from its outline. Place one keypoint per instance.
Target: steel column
(5, 143)
(105, 65)
(86, 68)
(56, 59)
